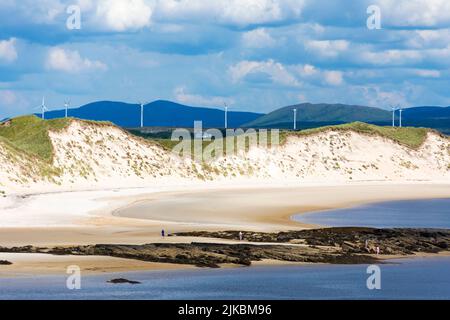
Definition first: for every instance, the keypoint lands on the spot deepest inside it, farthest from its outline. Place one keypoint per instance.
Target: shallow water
(405, 214)
(419, 278)
(405, 279)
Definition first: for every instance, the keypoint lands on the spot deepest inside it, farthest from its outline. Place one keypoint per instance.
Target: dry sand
(266, 208)
(136, 216)
(27, 264)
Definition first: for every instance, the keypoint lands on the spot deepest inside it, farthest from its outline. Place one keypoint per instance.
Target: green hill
(30, 135)
(321, 113)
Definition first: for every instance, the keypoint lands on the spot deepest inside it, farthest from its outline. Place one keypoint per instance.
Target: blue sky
(255, 55)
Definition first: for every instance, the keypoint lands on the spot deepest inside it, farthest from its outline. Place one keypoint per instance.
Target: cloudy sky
(255, 55)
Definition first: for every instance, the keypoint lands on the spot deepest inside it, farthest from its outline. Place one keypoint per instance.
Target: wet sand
(137, 217)
(29, 264)
(266, 209)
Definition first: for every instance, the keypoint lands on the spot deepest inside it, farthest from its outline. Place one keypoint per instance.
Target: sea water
(401, 214)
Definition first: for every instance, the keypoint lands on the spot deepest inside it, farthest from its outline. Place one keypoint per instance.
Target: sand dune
(89, 155)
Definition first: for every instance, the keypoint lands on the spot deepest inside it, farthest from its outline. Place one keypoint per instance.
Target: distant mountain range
(308, 112)
(163, 113)
(159, 113)
(316, 115)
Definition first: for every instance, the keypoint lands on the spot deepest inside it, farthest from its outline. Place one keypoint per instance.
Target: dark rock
(328, 245)
(442, 245)
(5, 263)
(122, 280)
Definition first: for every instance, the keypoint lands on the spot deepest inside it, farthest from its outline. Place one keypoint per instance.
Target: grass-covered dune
(411, 137)
(408, 136)
(70, 151)
(30, 134)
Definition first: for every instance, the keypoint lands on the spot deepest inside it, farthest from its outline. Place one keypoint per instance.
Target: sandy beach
(26, 264)
(136, 216)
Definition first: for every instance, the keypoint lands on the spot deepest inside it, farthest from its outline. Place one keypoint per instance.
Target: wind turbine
(142, 104)
(295, 119)
(393, 116)
(400, 110)
(43, 108)
(226, 115)
(66, 107)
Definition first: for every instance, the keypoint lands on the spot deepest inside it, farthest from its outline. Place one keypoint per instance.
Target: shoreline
(128, 267)
(38, 264)
(96, 220)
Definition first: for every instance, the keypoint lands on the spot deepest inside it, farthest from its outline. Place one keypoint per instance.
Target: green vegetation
(240, 142)
(407, 136)
(320, 114)
(30, 135)
(166, 144)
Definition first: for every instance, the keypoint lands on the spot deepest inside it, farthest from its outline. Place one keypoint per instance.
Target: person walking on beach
(241, 236)
(162, 233)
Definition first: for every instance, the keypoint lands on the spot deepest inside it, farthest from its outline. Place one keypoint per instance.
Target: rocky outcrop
(357, 240)
(122, 281)
(330, 245)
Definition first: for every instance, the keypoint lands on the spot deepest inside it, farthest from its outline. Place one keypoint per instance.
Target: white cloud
(235, 12)
(426, 39)
(12, 103)
(8, 51)
(426, 13)
(70, 61)
(7, 97)
(333, 78)
(312, 73)
(327, 48)
(307, 70)
(121, 15)
(198, 100)
(427, 73)
(251, 11)
(391, 57)
(258, 38)
(433, 54)
(42, 11)
(439, 55)
(377, 97)
(275, 70)
(116, 15)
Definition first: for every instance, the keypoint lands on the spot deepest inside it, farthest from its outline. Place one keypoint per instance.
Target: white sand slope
(89, 155)
(346, 156)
